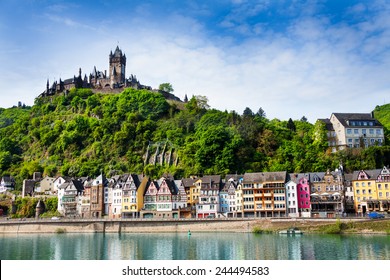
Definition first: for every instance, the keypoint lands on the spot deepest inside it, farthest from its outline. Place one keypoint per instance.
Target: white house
(69, 198)
(292, 197)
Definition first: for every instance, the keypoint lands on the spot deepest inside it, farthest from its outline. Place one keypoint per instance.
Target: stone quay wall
(148, 225)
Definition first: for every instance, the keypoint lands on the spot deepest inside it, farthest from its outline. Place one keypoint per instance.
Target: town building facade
(353, 130)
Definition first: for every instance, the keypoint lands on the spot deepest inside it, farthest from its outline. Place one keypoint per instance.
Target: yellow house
(133, 195)
(195, 192)
(189, 185)
(383, 191)
(365, 190)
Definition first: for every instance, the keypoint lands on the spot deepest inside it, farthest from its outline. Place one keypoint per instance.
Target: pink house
(303, 194)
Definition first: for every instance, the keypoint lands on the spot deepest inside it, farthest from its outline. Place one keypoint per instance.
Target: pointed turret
(118, 52)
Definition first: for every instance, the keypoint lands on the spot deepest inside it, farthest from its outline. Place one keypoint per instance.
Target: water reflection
(198, 246)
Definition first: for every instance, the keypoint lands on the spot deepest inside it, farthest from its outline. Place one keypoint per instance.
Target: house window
(379, 186)
(349, 131)
(371, 131)
(356, 131)
(379, 132)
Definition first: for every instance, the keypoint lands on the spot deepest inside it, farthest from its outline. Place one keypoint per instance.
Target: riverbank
(193, 225)
(333, 226)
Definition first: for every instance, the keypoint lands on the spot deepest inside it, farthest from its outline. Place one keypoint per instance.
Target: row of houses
(263, 194)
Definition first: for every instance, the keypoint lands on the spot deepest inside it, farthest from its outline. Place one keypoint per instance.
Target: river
(198, 246)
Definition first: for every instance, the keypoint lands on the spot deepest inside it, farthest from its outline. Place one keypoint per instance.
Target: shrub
(60, 230)
(260, 230)
(335, 228)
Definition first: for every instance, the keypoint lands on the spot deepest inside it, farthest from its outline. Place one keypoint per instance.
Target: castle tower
(117, 67)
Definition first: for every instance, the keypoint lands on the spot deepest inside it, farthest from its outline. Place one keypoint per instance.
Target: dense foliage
(83, 133)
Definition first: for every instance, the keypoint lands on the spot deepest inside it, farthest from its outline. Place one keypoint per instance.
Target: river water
(198, 246)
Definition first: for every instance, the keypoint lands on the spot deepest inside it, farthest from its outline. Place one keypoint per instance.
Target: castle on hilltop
(115, 79)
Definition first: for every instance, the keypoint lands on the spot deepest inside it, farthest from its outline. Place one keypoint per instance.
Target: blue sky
(292, 58)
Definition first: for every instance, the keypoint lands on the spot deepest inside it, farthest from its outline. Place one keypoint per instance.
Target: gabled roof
(344, 118)
(78, 185)
(8, 179)
(83, 179)
(328, 124)
(188, 182)
(296, 177)
(227, 186)
(101, 179)
(66, 178)
(262, 177)
(210, 181)
(172, 186)
(372, 174)
(235, 177)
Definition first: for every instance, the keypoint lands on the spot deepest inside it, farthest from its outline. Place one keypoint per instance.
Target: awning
(336, 193)
(314, 194)
(324, 193)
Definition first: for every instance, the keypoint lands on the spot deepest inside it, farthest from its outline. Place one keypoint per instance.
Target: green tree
(291, 125)
(247, 112)
(166, 87)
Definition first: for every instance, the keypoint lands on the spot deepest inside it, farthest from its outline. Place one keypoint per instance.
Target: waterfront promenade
(16, 226)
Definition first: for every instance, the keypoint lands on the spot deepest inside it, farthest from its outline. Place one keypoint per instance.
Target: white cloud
(314, 69)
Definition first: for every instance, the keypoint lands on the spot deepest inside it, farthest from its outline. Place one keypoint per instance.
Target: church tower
(117, 68)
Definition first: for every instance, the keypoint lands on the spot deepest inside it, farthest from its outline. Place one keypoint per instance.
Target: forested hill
(82, 134)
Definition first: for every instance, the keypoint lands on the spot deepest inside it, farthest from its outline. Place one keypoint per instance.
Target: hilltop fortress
(113, 81)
